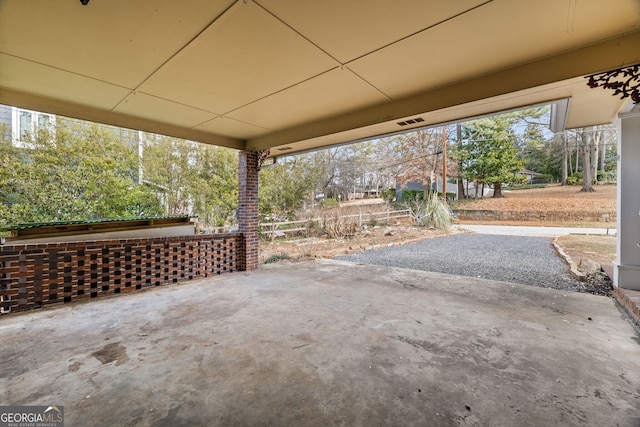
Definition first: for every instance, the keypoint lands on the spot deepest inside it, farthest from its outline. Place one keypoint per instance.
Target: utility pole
(444, 165)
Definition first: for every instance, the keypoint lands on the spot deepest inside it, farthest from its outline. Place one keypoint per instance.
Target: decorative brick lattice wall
(35, 275)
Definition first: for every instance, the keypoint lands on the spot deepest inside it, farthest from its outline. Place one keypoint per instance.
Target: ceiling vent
(411, 121)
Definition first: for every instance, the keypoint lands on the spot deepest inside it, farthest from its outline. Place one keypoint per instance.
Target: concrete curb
(573, 268)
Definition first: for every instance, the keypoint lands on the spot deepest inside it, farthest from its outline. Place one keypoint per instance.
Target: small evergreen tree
(489, 153)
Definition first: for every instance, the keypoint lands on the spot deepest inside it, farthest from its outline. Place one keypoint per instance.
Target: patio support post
(248, 209)
(626, 272)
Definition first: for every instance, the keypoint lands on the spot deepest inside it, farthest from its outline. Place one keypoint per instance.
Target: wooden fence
(274, 228)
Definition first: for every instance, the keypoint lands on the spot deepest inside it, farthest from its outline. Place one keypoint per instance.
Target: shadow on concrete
(328, 343)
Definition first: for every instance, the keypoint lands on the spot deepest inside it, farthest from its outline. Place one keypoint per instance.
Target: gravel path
(515, 259)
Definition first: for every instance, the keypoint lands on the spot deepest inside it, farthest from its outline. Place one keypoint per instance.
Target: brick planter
(35, 275)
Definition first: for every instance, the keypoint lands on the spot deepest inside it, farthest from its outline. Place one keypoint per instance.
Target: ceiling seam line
(65, 71)
(370, 84)
(280, 90)
(451, 18)
(231, 118)
(180, 103)
(299, 33)
(176, 53)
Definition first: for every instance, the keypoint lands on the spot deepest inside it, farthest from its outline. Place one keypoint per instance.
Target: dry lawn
(601, 249)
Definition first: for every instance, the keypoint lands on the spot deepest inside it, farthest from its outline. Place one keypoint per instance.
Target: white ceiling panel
(335, 92)
(27, 76)
(149, 107)
(244, 56)
(350, 29)
(232, 127)
(467, 46)
(118, 41)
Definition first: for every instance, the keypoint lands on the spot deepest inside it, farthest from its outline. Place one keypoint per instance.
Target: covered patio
(325, 343)
(329, 343)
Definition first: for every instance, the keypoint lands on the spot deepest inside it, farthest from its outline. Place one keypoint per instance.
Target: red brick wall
(34, 275)
(248, 208)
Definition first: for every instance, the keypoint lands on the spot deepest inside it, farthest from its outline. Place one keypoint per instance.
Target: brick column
(248, 209)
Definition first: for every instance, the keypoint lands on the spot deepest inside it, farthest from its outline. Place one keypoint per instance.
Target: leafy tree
(192, 178)
(286, 186)
(165, 166)
(540, 154)
(74, 171)
(9, 173)
(489, 152)
(215, 184)
(84, 171)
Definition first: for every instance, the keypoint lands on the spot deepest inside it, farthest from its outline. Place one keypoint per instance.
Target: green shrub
(526, 186)
(544, 178)
(575, 179)
(388, 195)
(276, 258)
(607, 176)
(329, 203)
(411, 195)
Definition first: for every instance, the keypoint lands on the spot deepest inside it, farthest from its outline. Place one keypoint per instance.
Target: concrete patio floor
(328, 343)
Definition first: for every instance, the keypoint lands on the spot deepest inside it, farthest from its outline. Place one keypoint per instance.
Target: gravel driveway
(516, 259)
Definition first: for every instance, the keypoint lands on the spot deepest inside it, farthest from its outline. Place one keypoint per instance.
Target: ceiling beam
(606, 55)
(83, 112)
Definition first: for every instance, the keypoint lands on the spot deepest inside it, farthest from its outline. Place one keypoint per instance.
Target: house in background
(20, 122)
(452, 189)
(531, 175)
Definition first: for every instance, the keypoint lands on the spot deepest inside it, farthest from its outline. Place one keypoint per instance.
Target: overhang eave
(546, 80)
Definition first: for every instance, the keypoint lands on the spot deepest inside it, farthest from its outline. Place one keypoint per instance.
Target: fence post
(273, 229)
